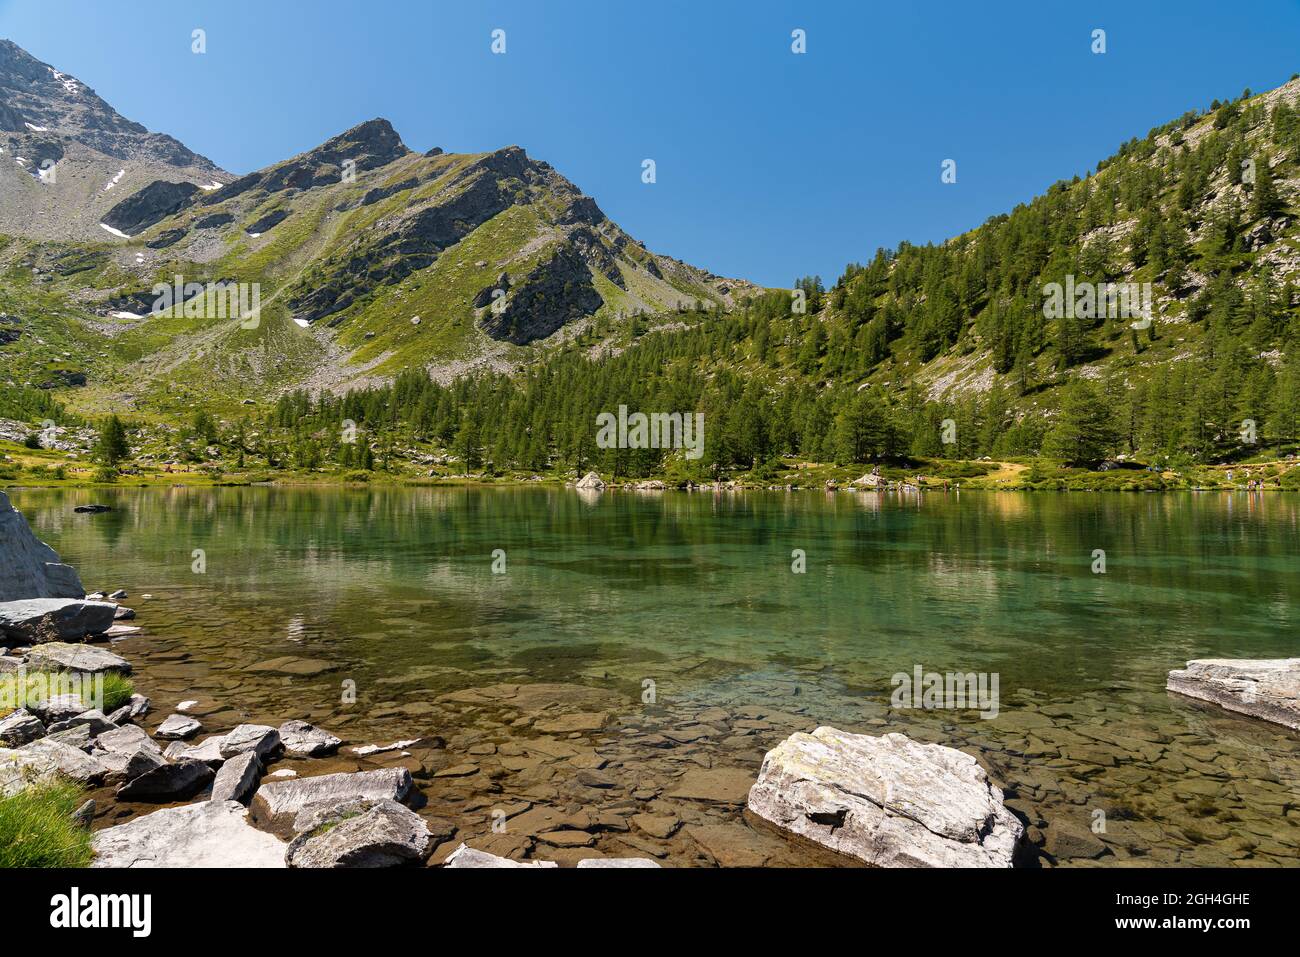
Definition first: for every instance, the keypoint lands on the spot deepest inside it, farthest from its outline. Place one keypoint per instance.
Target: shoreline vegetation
(25, 467)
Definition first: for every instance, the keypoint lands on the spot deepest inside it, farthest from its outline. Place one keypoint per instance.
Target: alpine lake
(573, 673)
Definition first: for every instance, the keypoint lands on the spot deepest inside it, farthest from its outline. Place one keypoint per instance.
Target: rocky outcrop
(150, 205)
(54, 619)
(207, 834)
(888, 801)
(592, 481)
(1264, 688)
(28, 567)
(363, 834)
(277, 803)
(556, 292)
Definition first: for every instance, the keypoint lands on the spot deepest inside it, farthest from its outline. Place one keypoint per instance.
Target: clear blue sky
(770, 165)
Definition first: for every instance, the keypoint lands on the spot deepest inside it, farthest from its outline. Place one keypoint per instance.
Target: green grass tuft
(37, 828)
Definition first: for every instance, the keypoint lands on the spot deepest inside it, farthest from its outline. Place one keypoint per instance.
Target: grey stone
(618, 862)
(178, 727)
(299, 737)
(44, 759)
(889, 801)
(1264, 688)
(86, 659)
(28, 567)
(59, 707)
(207, 834)
(167, 782)
(54, 619)
(19, 728)
(262, 740)
(94, 720)
(237, 779)
(278, 803)
(466, 856)
(372, 834)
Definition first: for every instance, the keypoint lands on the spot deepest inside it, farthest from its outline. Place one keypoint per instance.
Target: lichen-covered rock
(363, 834)
(207, 834)
(888, 801)
(28, 567)
(1264, 688)
(44, 759)
(277, 803)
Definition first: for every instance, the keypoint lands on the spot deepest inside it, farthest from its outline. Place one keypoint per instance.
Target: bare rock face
(28, 567)
(888, 801)
(1264, 688)
(363, 834)
(207, 834)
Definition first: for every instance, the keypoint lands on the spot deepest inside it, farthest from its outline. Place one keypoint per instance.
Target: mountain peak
(37, 98)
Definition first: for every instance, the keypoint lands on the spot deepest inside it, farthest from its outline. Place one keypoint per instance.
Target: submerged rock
(1264, 688)
(363, 834)
(54, 619)
(28, 567)
(207, 834)
(888, 801)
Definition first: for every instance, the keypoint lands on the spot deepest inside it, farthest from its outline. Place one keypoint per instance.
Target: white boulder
(888, 801)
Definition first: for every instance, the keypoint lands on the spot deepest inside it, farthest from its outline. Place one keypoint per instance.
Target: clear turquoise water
(696, 592)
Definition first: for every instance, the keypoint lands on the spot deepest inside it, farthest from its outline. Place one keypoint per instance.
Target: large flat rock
(277, 803)
(888, 801)
(28, 567)
(1264, 688)
(34, 620)
(87, 659)
(207, 834)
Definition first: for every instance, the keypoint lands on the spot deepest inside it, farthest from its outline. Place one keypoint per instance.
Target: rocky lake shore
(209, 763)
